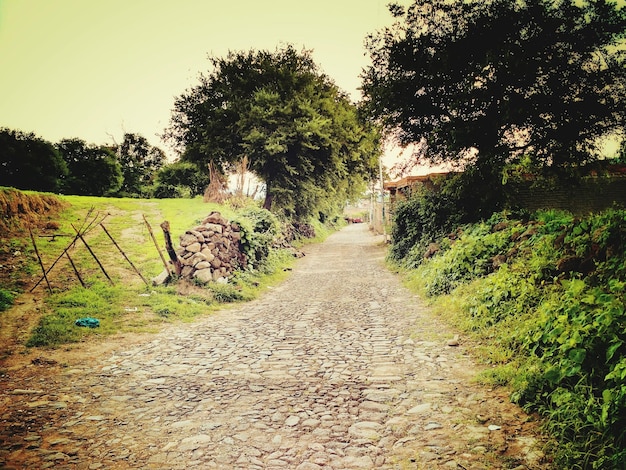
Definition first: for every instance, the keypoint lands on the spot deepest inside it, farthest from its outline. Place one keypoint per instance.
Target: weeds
(546, 295)
(6, 299)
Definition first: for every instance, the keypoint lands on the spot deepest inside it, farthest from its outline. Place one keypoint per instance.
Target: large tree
(93, 170)
(539, 78)
(296, 128)
(29, 162)
(140, 163)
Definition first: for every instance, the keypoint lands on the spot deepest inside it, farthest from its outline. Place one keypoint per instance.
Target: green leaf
(577, 355)
(610, 352)
(553, 375)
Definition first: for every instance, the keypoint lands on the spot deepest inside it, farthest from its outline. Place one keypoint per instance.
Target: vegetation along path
(339, 367)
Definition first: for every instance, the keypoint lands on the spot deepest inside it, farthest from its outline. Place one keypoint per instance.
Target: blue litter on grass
(88, 322)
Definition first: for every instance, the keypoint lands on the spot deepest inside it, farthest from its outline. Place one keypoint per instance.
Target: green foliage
(92, 170)
(552, 314)
(29, 162)
(140, 162)
(169, 305)
(6, 299)
(259, 230)
(430, 214)
(180, 179)
(300, 134)
(542, 76)
(57, 326)
(227, 293)
(469, 257)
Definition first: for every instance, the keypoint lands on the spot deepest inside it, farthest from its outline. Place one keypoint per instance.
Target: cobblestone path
(339, 367)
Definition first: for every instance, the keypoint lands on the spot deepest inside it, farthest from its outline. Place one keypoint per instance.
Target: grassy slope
(128, 304)
(544, 300)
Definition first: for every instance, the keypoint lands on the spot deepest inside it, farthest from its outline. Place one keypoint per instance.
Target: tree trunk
(267, 204)
(165, 226)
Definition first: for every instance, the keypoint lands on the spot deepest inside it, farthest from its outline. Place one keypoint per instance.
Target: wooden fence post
(165, 226)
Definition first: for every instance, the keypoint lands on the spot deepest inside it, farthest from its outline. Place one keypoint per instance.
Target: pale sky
(94, 69)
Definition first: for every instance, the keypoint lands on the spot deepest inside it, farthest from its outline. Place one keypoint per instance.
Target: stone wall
(590, 194)
(212, 250)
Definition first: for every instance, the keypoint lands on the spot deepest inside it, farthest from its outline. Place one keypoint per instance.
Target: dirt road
(339, 367)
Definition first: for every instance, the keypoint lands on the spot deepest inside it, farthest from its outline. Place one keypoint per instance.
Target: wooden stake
(82, 230)
(124, 254)
(45, 275)
(82, 283)
(156, 244)
(92, 254)
(54, 264)
(165, 226)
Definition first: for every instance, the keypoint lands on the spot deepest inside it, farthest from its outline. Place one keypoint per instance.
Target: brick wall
(592, 194)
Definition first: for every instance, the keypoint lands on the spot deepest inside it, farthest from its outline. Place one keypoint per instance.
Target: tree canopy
(140, 162)
(93, 170)
(542, 79)
(29, 162)
(301, 135)
(180, 179)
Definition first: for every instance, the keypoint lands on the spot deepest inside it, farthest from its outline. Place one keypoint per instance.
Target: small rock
(419, 409)
(292, 420)
(20, 391)
(161, 278)
(432, 426)
(308, 466)
(204, 275)
(188, 239)
(194, 247)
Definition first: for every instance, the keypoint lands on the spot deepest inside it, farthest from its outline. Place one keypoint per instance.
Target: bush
(459, 199)
(548, 295)
(259, 229)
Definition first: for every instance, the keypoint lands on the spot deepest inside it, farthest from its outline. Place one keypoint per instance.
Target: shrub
(553, 313)
(459, 199)
(259, 229)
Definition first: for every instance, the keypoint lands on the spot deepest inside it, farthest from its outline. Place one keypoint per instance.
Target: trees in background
(28, 162)
(180, 179)
(74, 167)
(539, 79)
(140, 163)
(301, 135)
(93, 170)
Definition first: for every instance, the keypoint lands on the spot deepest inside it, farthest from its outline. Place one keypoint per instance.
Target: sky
(95, 69)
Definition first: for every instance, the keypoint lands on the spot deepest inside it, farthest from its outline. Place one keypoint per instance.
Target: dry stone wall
(212, 250)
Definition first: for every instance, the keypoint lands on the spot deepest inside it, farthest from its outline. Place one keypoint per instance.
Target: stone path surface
(339, 367)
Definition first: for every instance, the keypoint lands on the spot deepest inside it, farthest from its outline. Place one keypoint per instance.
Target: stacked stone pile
(211, 251)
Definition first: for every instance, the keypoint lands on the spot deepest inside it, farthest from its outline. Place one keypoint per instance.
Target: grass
(127, 304)
(6, 299)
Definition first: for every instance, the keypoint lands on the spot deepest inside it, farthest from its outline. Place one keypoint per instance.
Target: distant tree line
(133, 168)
